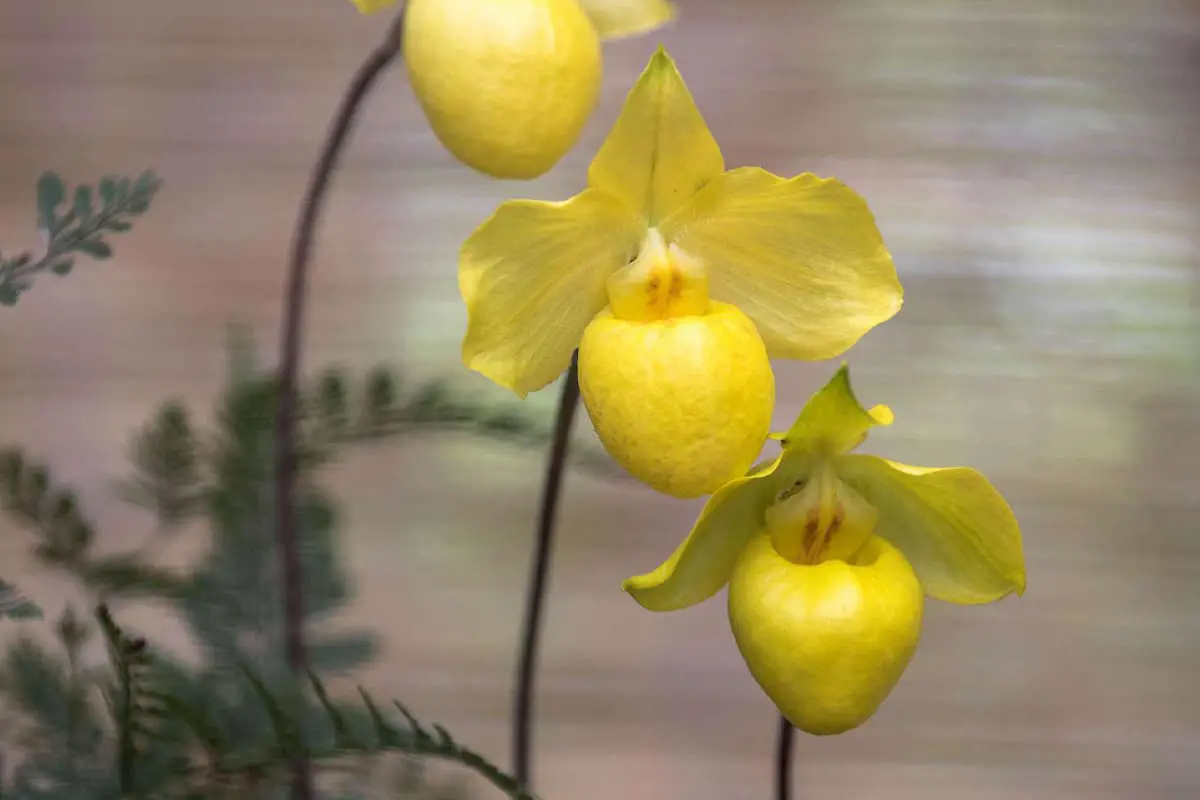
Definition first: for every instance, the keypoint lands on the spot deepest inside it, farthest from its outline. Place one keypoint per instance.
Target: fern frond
(75, 225)
(334, 414)
(14, 605)
(167, 467)
(434, 741)
(127, 575)
(287, 736)
(412, 738)
(197, 721)
(29, 494)
(343, 738)
(128, 658)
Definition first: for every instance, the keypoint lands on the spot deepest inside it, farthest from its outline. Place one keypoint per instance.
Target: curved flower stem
(535, 596)
(783, 760)
(286, 461)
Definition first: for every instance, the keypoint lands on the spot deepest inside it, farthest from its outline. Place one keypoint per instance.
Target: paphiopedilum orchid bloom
(676, 280)
(828, 555)
(507, 85)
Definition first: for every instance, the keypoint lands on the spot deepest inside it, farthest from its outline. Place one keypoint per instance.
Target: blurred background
(1035, 170)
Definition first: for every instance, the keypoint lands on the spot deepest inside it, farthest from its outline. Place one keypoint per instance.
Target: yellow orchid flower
(507, 85)
(828, 555)
(676, 280)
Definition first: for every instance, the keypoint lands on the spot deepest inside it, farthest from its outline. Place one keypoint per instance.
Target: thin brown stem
(783, 760)
(535, 598)
(286, 465)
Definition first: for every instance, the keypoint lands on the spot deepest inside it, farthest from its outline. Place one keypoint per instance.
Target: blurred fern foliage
(69, 230)
(144, 723)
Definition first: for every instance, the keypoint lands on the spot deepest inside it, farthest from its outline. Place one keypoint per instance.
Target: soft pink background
(1033, 166)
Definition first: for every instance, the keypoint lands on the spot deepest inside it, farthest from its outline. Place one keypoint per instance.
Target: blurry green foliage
(131, 731)
(148, 725)
(230, 726)
(79, 229)
(76, 224)
(233, 722)
(15, 605)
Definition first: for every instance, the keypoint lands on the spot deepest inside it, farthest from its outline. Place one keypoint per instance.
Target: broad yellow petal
(802, 257)
(832, 421)
(703, 563)
(371, 6)
(953, 526)
(660, 152)
(615, 19)
(533, 276)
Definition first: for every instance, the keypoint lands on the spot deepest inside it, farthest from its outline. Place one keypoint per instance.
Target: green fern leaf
(287, 740)
(341, 731)
(14, 605)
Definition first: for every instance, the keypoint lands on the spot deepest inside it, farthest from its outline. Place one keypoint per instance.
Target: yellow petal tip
(620, 19)
(636, 585)
(371, 6)
(660, 63)
(476, 362)
(833, 420)
(882, 415)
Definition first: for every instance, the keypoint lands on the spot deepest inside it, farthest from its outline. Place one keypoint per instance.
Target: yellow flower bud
(507, 85)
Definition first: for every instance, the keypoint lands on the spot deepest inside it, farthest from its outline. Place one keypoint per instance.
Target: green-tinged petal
(371, 6)
(533, 276)
(951, 524)
(832, 421)
(660, 152)
(703, 563)
(802, 257)
(615, 19)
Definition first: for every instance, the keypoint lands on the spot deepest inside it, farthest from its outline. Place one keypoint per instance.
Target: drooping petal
(802, 257)
(953, 526)
(832, 421)
(826, 642)
(533, 276)
(615, 19)
(371, 6)
(703, 563)
(683, 404)
(660, 151)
